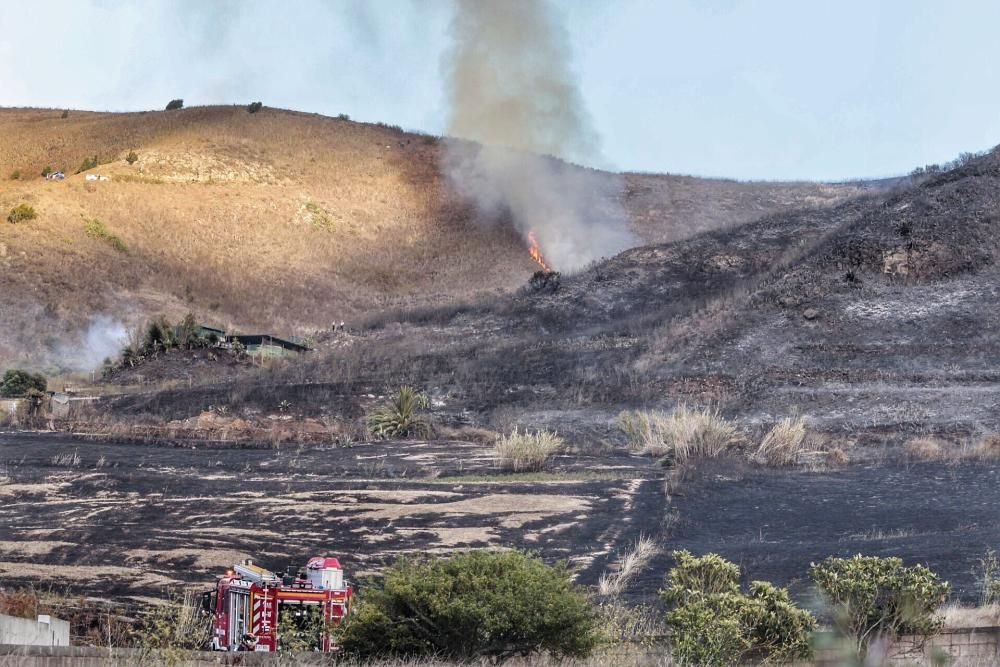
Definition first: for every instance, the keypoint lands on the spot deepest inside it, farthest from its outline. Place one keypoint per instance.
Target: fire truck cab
(249, 602)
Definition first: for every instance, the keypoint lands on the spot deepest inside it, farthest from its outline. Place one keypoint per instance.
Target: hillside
(875, 318)
(278, 220)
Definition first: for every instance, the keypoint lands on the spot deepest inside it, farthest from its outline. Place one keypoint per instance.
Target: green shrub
(173, 105)
(526, 452)
(874, 597)
(159, 335)
(400, 417)
(21, 213)
(254, 107)
(98, 230)
(65, 114)
(299, 628)
(712, 623)
(473, 605)
(46, 171)
(15, 175)
(18, 383)
(318, 217)
(131, 158)
(87, 164)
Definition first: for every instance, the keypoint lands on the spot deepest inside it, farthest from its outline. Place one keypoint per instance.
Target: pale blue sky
(766, 89)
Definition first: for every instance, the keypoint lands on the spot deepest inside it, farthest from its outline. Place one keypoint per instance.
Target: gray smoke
(103, 338)
(512, 94)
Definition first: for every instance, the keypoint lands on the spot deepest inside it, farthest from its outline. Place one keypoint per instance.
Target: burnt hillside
(877, 313)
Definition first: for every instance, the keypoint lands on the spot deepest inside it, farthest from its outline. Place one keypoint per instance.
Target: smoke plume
(512, 94)
(103, 338)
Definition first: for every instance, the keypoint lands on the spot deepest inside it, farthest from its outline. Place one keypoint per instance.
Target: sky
(769, 89)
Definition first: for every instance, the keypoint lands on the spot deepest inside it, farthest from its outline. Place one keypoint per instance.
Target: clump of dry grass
(682, 434)
(923, 449)
(957, 616)
(837, 457)
(527, 451)
(782, 445)
(633, 559)
(988, 446)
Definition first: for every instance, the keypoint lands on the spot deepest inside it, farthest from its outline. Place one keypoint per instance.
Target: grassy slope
(278, 220)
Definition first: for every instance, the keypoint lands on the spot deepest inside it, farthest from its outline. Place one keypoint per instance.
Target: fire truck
(249, 602)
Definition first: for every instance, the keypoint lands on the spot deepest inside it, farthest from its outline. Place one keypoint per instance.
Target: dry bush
(632, 561)
(837, 457)
(988, 446)
(923, 449)
(682, 434)
(956, 616)
(624, 624)
(782, 445)
(527, 451)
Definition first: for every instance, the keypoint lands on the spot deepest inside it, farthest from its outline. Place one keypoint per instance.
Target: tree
(46, 171)
(173, 105)
(880, 597)
(254, 107)
(469, 606)
(20, 384)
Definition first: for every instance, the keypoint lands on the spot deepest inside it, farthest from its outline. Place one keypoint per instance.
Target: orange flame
(536, 253)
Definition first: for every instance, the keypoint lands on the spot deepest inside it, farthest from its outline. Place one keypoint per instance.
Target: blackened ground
(774, 523)
(125, 520)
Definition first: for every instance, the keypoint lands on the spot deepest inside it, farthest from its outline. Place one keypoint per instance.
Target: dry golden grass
(278, 221)
(988, 446)
(526, 451)
(957, 616)
(219, 217)
(633, 560)
(783, 444)
(682, 434)
(924, 449)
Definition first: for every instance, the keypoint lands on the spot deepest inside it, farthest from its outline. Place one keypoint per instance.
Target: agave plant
(400, 417)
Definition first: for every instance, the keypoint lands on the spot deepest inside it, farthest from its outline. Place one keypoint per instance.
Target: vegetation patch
(782, 445)
(139, 178)
(402, 416)
(132, 157)
(527, 451)
(318, 217)
(88, 164)
(98, 230)
(876, 597)
(21, 384)
(21, 213)
(682, 434)
(471, 606)
(712, 622)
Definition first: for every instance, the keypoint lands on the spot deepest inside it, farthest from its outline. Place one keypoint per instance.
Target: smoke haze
(511, 91)
(103, 338)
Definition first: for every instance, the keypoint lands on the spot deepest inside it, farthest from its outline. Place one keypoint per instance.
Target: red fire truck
(249, 602)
